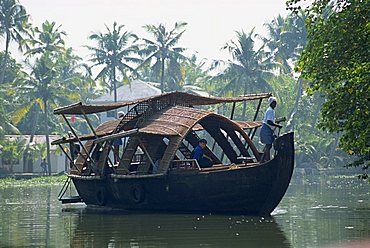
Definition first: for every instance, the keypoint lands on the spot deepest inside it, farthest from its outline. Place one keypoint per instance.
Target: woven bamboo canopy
(171, 98)
(173, 121)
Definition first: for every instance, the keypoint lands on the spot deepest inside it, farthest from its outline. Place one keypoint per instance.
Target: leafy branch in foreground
(336, 61)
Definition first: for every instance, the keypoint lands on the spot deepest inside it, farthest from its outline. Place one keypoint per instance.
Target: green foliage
(12, 71)
(54, 78)
(162, 53)
(336, 61)
(315, 148)
(36, 151)
(115, 50)
(12, 151)
(48, 38)
(37, 181)
(285, 39)
(249, 70)
(14, 25)
(284, 88)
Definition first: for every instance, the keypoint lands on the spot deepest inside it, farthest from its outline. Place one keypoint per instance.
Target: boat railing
(186, 164)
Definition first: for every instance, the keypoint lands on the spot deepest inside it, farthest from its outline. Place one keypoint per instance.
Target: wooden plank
(222, 141)
(116, 136)
(237, 142)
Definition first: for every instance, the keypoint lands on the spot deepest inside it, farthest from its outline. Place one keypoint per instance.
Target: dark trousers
(205, 162)
(116, 154)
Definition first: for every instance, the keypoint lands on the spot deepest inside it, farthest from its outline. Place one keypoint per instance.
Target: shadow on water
(120, 229)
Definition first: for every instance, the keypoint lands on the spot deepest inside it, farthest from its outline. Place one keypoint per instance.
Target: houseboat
(156, 170)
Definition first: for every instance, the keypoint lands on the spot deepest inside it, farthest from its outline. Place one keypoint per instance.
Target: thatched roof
(175, 121)
(178, 121)
(102, 130)
(242, 124)
(172, 99)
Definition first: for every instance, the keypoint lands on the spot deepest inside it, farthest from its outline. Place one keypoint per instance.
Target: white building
(58, 159)
(135, 90)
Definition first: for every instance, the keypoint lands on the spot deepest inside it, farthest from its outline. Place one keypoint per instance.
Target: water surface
(313, 213)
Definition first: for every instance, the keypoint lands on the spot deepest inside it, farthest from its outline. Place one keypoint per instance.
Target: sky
(211, 23)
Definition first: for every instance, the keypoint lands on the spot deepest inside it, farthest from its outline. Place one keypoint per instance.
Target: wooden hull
(254, 190)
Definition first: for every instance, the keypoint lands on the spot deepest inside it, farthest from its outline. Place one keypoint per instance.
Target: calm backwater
(313, 213)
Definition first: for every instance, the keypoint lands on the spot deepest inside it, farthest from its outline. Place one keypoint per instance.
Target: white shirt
(269, 115)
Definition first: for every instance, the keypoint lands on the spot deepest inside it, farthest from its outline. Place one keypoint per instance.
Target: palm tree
(115, 50)
(6, 101)
(49, 82)
(13, 25)
(48, 43)
(278, 47)
(47, 39)
(162, 48)
(6, 126)
(286, 39)
(41, 88)
(249, 69)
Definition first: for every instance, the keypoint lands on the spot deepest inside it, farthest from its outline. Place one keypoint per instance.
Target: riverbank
(37, 181)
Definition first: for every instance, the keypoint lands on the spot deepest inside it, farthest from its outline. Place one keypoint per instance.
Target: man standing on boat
(198, 154)
(117, 143)
(267, 131)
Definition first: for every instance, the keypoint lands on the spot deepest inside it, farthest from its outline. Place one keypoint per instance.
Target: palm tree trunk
(244, 110)
(47, 136)
(26, 160)
(332, 150)
(317, 112)
(162, 76)
(5, 62)
(114, 84)
(244, 102)
(295, 108)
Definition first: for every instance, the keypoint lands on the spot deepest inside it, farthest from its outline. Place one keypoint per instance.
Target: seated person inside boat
(198, 154)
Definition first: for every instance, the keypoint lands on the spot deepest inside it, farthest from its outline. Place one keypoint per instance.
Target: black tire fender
(101, 196)
(137, 193)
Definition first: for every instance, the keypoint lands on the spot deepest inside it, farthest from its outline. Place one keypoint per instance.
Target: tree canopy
(162, 48)
(114, 51)
(336, 61)
(14, 25)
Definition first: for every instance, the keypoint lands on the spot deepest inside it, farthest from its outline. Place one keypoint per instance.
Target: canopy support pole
(69, 158)
(255, 116)
(78, 139)
(146, 152)
(254, 119)
(92, 128)
(227, 136)
(89, 123)
(232, 111)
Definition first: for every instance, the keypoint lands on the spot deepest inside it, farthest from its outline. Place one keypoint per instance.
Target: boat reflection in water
(119, 229)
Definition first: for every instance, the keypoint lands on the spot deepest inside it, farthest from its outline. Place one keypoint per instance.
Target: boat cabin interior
(159, 135)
